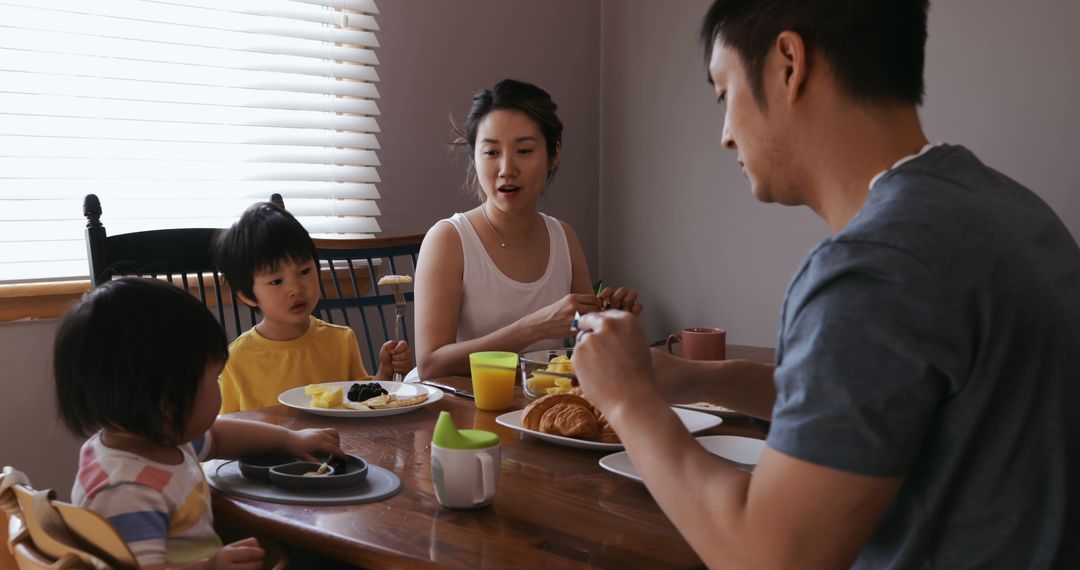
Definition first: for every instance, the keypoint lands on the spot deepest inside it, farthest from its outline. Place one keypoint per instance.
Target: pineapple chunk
(557, 390)
(540, 382)
(328, 397)
(563, 382)
(562, 367)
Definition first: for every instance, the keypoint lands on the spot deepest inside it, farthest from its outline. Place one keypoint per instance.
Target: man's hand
(612, 359)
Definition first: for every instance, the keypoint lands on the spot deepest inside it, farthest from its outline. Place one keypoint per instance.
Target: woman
(504, 276)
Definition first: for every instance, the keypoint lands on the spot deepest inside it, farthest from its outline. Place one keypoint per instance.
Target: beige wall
(435, 54)
(678, 220)
(31, 437)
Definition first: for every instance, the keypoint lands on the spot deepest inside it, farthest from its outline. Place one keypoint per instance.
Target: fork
(399, 318)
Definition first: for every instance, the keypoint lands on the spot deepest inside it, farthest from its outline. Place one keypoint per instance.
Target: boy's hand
(394, 356)
(314, 444)
(241, 555)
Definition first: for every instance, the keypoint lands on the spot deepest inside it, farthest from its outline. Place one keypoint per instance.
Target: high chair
(44, 533)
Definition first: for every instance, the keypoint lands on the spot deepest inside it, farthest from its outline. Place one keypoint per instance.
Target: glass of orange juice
(493, 376)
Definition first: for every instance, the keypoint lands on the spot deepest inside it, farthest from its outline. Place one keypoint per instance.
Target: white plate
(694, 422)
(715, 409)
(296, 398)
(745, 450)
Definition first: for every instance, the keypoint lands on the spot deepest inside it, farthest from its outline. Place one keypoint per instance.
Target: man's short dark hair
(265, 235)
(876, 47)
(131, 350)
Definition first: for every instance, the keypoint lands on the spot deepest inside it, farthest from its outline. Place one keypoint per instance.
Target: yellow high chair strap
(10, 477)
(94, 529)
(49, 534)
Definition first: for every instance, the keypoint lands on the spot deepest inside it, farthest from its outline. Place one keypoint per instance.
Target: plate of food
(570, 419)
(360, 399)
(710, 408)
(744, 452)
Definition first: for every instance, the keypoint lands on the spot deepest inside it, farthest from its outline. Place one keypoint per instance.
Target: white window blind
(181, 113)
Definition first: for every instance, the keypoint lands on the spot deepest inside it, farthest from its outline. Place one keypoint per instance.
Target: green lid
(448, 436)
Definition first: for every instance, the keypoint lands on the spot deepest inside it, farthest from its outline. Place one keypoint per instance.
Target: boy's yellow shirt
(259, 369)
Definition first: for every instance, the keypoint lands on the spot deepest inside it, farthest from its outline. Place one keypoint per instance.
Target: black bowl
(292, 475)
(257, 467)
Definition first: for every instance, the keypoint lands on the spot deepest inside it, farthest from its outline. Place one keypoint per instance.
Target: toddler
(136, 367)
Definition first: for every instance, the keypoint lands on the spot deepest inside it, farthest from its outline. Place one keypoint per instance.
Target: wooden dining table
(555, 506)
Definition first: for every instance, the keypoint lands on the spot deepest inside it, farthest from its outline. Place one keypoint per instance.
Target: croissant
(568, 415)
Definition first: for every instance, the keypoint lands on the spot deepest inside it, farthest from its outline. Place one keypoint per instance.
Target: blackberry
(361, 392)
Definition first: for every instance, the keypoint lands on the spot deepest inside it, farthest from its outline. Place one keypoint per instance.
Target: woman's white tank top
(490, 300)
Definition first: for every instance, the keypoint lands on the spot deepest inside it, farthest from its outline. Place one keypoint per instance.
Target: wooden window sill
(33, 301)
(50, 300)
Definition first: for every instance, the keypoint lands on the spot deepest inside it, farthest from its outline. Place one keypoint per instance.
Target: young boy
(268, 258)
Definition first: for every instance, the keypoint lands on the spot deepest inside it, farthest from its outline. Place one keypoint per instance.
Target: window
(181, 113)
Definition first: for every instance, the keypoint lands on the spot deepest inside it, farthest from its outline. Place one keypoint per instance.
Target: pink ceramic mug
(701, 343)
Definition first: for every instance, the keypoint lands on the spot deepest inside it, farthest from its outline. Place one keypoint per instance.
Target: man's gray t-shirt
(937, 337)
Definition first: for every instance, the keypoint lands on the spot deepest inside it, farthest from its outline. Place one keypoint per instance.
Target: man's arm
(789, 513)
(742, 385)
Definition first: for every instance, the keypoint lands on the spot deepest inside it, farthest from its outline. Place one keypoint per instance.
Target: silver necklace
(502, 242)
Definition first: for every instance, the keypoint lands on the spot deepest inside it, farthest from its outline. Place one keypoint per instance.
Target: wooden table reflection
(555, 506)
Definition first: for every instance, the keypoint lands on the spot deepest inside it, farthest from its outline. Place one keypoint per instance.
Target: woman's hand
(314, 444)
(622, 299)
(553, 321)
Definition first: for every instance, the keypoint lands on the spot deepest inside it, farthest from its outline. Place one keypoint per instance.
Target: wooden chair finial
(92, 211)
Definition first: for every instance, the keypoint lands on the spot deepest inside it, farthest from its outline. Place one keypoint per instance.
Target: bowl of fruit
(546, 372)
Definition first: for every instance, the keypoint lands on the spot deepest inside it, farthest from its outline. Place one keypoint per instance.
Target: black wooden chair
(181, 256)
(349, 273)
(349, 285)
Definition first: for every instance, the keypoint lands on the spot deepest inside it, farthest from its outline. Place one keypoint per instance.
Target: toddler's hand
(241, 555)
(314, 444)
(395, 357)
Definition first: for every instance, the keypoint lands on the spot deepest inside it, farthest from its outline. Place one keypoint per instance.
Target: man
(923, 402)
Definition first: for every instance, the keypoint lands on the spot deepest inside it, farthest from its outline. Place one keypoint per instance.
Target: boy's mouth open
(509, 189)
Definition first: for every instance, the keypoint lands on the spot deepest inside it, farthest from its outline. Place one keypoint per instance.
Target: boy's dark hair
(876, 48)
(510, 94)
(265, 235)
(132, 353)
